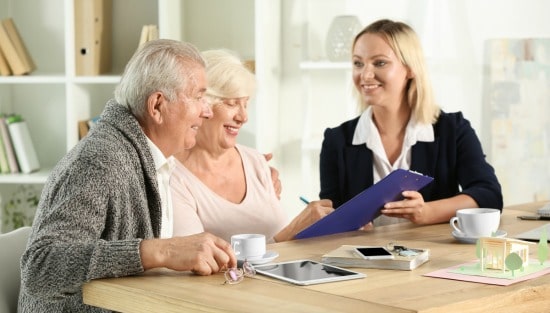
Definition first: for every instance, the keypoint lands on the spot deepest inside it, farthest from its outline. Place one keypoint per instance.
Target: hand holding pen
(314, 211)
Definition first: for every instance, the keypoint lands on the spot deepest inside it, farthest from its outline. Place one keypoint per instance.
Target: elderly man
(106, 208)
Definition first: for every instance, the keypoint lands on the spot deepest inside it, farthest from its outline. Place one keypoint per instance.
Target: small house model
(495, 250)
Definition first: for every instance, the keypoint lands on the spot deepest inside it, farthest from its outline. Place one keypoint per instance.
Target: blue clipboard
(366, 206)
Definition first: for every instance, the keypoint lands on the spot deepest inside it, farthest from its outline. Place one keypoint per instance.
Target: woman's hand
(313, 212)
(412, 208)
(367, 227)
(419, 212)
(277, 185)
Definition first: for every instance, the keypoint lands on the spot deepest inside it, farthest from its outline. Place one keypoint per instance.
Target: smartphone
(374, 253)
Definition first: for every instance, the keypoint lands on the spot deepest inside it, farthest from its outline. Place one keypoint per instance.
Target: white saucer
(465, 239)
(267, 257)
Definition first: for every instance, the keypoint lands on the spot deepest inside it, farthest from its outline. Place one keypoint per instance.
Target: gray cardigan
(99, 201)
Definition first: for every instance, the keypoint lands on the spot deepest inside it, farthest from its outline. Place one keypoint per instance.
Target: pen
(304, 200)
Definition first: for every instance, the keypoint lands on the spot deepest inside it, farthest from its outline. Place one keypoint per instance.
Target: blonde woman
(402, 127)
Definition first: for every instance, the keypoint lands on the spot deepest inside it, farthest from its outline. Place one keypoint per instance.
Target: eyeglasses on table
(235, 275)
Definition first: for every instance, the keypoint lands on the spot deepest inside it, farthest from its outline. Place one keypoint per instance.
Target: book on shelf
(4, 66)
(83, 129)
(250, 64)
(14, 50)
(17, 67)
(93, 23)
(4, 165)
(8, 146)
(84, 126)
(18, 43)
(148, 33)
(345, 256)
(22, 144)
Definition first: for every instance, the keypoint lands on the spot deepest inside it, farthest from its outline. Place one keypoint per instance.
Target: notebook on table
(366, 206)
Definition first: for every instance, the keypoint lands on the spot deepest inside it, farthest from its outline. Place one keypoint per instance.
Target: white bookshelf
(325, 105)
(252, 29)
(325, 65)
(52, 99)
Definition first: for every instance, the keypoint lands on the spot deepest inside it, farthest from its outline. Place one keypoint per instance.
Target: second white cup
(476, 222)
(248, 246)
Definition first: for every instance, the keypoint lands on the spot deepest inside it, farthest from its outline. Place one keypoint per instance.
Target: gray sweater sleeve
(78, 233)
(99, 202)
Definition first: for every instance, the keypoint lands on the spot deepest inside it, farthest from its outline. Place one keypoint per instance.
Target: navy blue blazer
(455, 160)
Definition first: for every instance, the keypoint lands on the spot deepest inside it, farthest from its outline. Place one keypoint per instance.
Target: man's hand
(203, 254)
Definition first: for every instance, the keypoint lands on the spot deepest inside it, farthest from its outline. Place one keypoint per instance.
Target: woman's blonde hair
(406, 46)
(227, 75)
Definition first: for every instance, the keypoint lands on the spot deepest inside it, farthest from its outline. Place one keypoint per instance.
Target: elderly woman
(223, 187)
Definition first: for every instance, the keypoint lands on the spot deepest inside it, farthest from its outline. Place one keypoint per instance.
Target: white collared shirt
(367, 133)
(164, 167)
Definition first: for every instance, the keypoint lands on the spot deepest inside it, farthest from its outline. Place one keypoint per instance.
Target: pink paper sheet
(447, 274)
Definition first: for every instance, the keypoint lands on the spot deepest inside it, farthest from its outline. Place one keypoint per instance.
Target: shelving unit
(311, 139)
(336, 109)
(326, 86)
(251, 28)
(53, 99)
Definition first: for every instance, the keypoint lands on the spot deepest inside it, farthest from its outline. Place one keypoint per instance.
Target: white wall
(453, 34)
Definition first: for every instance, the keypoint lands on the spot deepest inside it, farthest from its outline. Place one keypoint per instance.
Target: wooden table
(382, 291)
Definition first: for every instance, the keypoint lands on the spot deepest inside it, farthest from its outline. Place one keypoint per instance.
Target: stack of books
(14, 56)
(17, 153)
(345, 256)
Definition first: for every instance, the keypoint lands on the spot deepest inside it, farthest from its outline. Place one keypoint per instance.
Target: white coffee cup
(476, 222)
(248, 246)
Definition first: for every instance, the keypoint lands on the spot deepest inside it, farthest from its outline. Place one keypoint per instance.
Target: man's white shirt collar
(158, 157)
(164, 167)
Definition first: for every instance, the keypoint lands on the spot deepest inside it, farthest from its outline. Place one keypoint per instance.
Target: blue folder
(366, 206)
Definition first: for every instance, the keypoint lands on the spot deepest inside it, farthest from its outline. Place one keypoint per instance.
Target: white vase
(340, 35)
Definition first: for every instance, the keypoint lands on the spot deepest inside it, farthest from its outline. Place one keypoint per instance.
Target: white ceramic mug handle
(453, 222)
(235, 245)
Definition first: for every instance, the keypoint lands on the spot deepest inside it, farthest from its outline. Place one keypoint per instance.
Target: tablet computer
(534, 233)
(307, 272)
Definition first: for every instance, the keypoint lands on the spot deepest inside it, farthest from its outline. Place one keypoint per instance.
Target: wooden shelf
(325, 65)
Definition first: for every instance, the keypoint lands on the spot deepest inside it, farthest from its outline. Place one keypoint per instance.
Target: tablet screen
(306, 272)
